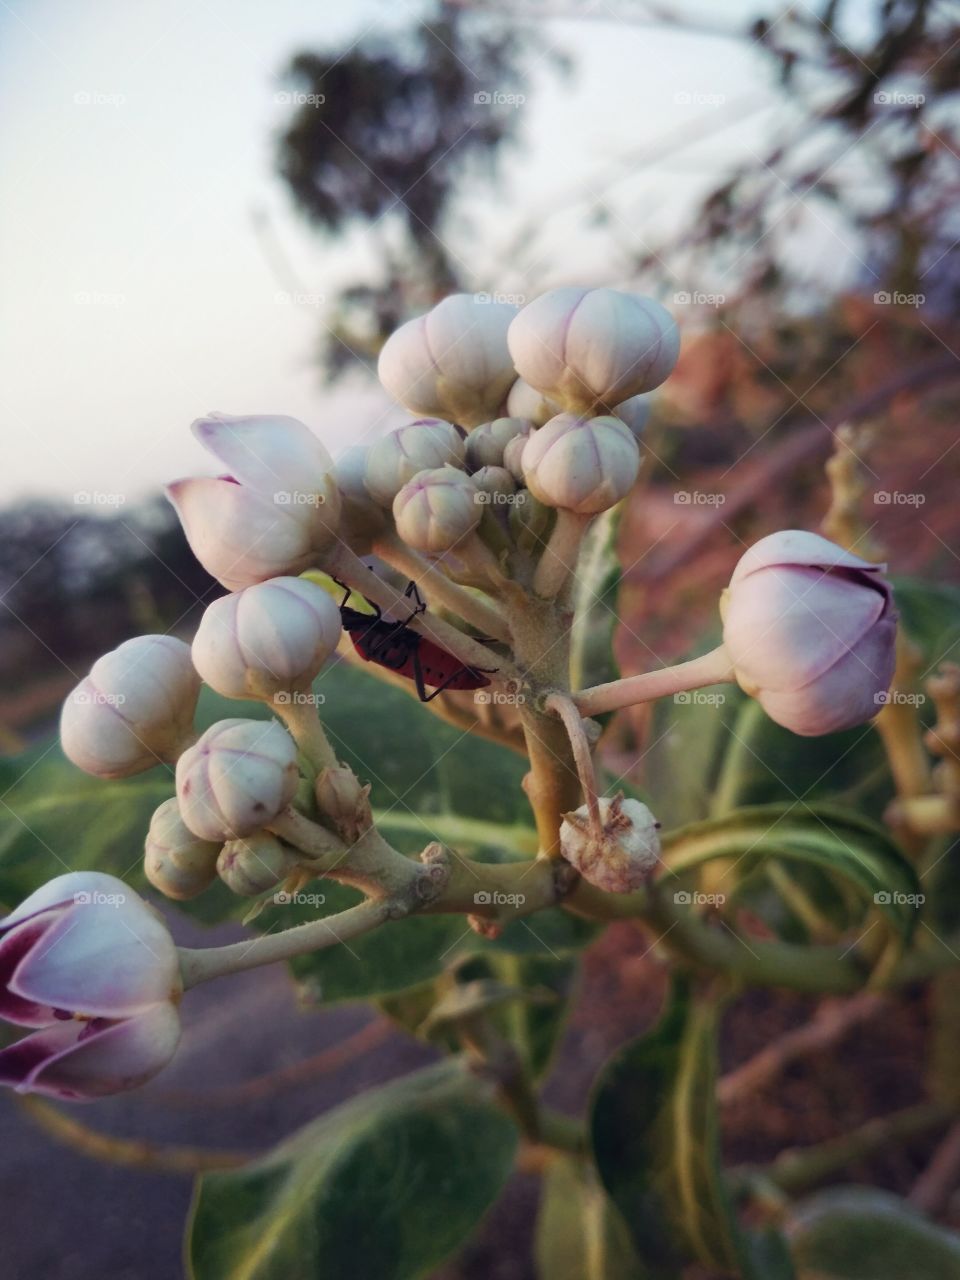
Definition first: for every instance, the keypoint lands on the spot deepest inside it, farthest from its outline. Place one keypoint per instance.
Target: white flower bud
(525, 401)
(255, 864)
(634, 412)
(452, 362)
(486, 443)
(584, 465)
(494, 480)
(418, 446)
(625, 855)
(237, 778)
(362, 519)
(590, 347)
(437, 509)
(513, 455)
(268, 639)
(176, 862)
(134, 710)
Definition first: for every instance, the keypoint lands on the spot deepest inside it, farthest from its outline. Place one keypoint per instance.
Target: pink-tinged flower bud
(176, 862)
(584, 465)
(251, 866)
(626, 853)
(134, 710)
(437, 509)
(634, 412)
(85, 960)
(525, 401)
(239, 777)
(362, 518)
(399, 456)
(513, 456)
(268, 639)
(811, 630)
(273, 514)
(486, 443)
(585, 348)
(452, 362)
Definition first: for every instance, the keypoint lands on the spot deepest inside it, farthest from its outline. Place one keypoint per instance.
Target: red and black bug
(396, 646)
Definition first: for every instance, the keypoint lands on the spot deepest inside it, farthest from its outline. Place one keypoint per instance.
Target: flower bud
(624, 856)
(239, 777)
(362, 519)
(634, 412)
(93, 969)
(345, 802)
(525, 401)
(584, 465)
(436, 510)
(134, 710)
(418, 446)
(176, 862)
(275, 512)
(494, 481)
(255, 864)
(452, 362)
(271, 638)
(811, 632)
(486, 443)
(589, 347)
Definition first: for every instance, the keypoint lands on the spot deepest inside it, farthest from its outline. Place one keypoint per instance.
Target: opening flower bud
(584, 465)
(634, 412)
(274, 513)
(268, 639)
(134, 710)
(238, 777)
(623, 855)
(486, 443)
(93, 970)
(495, 481)
(584, 348)
(811, 632)
(255, 864)
(362, 519)
(437, 509)
(176, 862)
(418, 446)
(452, 362)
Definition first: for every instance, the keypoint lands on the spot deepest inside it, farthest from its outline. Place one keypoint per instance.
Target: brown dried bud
(345, 802)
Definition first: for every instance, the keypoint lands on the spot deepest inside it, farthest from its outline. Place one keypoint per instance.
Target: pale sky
(137, 144)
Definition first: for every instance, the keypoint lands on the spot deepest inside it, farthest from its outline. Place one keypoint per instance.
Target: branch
(711, 668)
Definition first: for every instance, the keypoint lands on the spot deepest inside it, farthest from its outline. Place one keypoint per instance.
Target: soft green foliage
(385, 1186)
(580, 1234)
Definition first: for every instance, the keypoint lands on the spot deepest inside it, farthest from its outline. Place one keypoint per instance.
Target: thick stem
(710, 668)
(202, 965)
(559, 559)
(299, 713)
(437, 586)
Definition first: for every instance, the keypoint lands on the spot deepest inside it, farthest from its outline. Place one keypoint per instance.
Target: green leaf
(859, 1233)
(595, 594)
(930, 615)
(386, 1186)
(580, 1234)
(655, 1140)
(832, 839)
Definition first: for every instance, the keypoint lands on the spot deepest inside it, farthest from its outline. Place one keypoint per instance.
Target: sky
(138, 145)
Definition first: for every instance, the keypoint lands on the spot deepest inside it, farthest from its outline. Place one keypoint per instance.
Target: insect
(396, 646)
